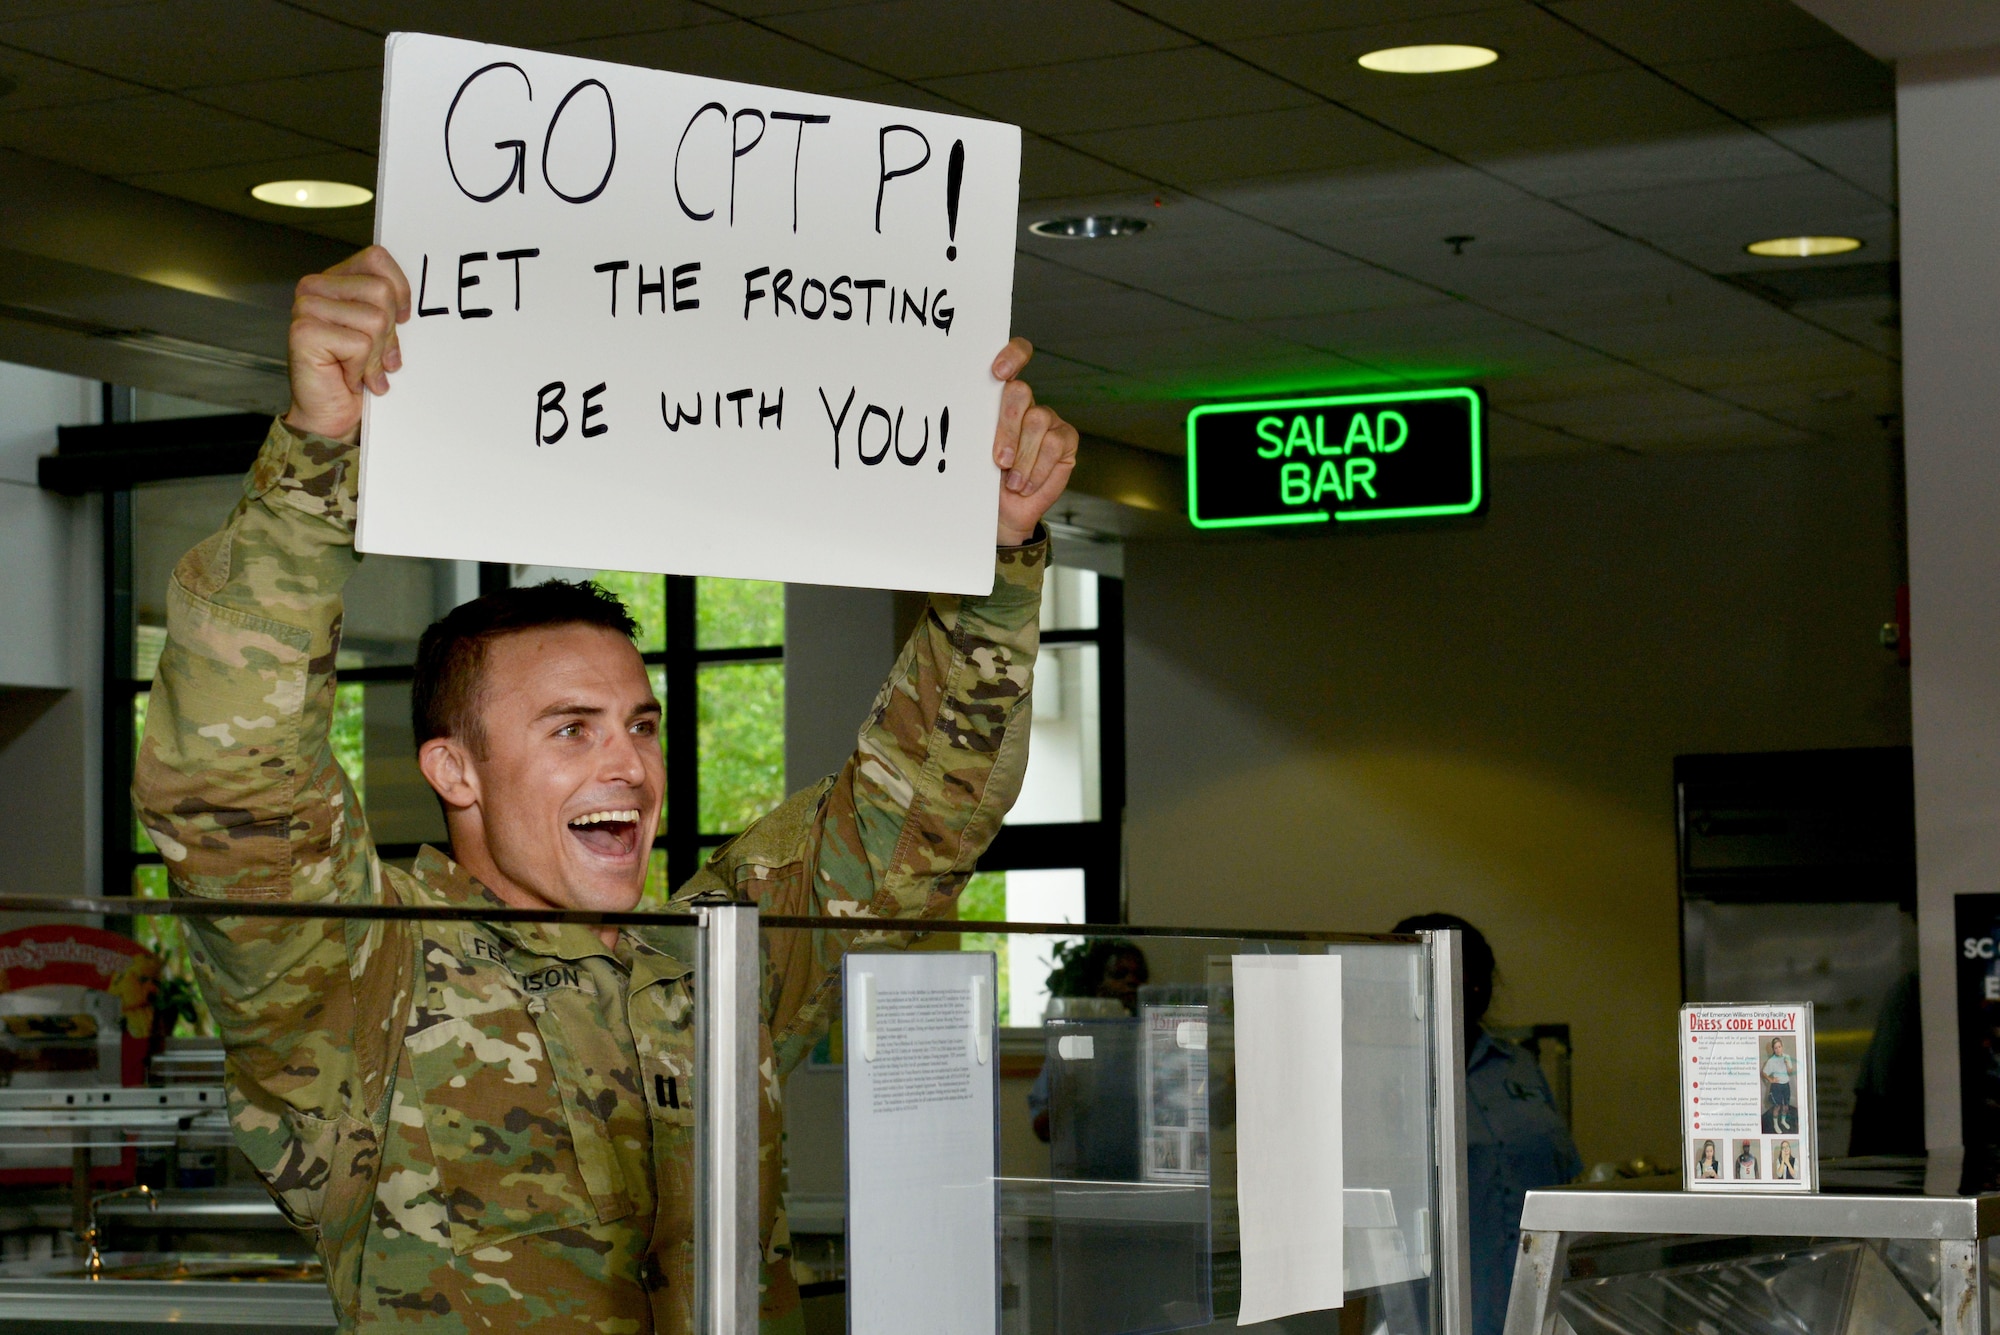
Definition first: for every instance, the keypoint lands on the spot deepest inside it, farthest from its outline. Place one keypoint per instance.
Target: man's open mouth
(611, 834)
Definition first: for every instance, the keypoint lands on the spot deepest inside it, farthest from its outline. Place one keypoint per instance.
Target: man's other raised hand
(1034, 449)
(343, 341)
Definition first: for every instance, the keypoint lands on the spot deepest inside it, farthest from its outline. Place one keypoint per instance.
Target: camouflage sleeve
(237, 783)
(936, 766)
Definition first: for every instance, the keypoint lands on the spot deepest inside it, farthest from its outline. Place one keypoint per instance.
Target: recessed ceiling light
(1444, 58)
(1803, 247)
(1090, 227)
(312, 194)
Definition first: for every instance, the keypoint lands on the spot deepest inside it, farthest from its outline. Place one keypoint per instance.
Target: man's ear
(449, 769)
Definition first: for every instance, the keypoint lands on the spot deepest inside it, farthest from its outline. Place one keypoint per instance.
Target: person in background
(1784, 1164)
(1105, 968)
(1515, 1139)
(1709, 1165)
(1746, 1163)
(1889, 1096)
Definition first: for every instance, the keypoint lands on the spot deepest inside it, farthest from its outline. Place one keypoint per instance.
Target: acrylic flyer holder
(1134, 1216)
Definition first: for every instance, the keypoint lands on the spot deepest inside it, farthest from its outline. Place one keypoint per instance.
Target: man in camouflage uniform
(492, 1126)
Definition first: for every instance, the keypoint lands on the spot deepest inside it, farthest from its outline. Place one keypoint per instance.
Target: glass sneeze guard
(1113, 1179)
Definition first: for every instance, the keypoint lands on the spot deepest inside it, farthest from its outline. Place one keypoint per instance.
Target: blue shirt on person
(1516, 1141)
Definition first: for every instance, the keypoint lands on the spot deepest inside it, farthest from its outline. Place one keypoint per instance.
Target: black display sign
(1419, 454)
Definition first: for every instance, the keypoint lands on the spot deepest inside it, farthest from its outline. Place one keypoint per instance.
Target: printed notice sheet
(1747, 1098)
(1290, 1174)
(676, 324)
(1175, 1100)
(922, 1144)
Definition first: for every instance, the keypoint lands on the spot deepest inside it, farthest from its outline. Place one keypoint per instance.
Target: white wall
(1947, 111)
(51, 601)
(35, 526)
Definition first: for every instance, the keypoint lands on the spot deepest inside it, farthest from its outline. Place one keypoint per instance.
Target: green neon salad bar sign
(1415, 455)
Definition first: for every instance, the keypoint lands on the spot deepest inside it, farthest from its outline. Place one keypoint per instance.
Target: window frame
(1096, 846)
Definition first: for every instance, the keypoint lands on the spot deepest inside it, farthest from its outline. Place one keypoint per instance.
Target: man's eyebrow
(569, 708)
(649, 707)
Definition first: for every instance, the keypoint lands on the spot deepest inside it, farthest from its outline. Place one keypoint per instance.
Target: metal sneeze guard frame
(729, 974)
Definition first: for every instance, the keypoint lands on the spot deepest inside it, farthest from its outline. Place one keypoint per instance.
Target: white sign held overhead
(668, 323)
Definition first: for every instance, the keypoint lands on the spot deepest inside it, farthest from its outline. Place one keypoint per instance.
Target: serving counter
(1872, 1254)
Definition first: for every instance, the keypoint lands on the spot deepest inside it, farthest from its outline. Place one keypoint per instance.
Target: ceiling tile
(894, 93)
(923, 39)
(517, 24)
(1439, 192)
(1329, 289)
(1154, 422)
(228, 187)
(1710, 224)
(1520, 392)
(1075, 321)
(1050, 171)
(1721, 155)
(1242, 19)
(1593, 412)
(35, 81)
(1663, 34)
(1725, 429)
(1187, 238)
(1533, 47)
(1317, 138)
(1716, 368)
(1685, 298)
(1616, 106)
(1038, 279)
(766, 8)
(733, 50)
(13, 10)
(1514, 438)
(344, 107)
(1860, 149)
(189, 43)
(1828, 397)
(1219, 361)
(1747, 329)
(1833, 80)
(145, 134)
(1118, 91)
(1445, 339)
(1875, 324)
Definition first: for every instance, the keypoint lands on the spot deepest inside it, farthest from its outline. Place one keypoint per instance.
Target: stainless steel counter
(1580, 1210)
(207, 1293)
(1875, 1254)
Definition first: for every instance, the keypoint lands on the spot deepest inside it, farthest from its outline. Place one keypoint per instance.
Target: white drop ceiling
(1608, 169)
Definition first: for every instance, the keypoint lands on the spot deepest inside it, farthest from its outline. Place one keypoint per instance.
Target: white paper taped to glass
(923, 1148)
(667, 323)
(1290, 1170)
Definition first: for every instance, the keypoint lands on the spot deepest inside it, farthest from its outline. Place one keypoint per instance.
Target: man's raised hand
(1033, 447)
(343, 341)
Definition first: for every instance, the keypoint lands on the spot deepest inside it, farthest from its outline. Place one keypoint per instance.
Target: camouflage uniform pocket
(499, 1133)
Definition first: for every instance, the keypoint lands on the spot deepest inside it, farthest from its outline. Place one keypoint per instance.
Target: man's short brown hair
(444, 691)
